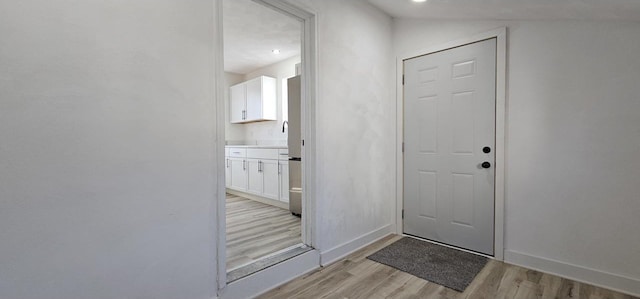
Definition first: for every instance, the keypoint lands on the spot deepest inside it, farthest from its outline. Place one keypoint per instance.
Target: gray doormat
(449, 267)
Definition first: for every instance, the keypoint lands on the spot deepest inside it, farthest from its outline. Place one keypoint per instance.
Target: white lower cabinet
(256, 183)
(227, 172)
(238, 174)
(270, 175)
(263, 178)
(259, 172)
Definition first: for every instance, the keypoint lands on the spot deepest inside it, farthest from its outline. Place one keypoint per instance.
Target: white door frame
(501, 62)
(308, 131)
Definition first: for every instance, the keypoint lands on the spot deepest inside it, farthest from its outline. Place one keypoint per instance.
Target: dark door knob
(486, 164)
(486, 149)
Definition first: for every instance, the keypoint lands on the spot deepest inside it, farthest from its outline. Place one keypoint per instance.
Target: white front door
(449, 135)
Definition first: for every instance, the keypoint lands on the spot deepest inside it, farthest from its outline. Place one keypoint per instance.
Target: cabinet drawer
(237, 152)
(262, 153)
(283, 154)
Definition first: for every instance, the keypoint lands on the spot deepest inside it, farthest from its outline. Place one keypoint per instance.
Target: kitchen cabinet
(227, 168)
(263, 178)
(253, 100)
(237, 103)
(227, 171)
(238, 174)
(270, 172)
(256, 178)
(258, 171)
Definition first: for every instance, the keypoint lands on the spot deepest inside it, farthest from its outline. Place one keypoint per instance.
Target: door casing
(501, 59)
(309, 95)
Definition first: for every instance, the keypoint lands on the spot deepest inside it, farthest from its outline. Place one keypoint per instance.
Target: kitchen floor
(256, 230)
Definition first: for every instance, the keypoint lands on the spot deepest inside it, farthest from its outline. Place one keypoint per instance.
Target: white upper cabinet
(237, 100)
(253, 100)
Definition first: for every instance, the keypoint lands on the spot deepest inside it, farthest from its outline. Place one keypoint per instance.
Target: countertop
(259, 146)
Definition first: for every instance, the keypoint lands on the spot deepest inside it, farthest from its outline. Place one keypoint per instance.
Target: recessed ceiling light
(419, 1)
(275, 51)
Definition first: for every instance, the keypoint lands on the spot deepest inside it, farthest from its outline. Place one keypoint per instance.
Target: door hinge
(403, 147)
(403, 214)
(402, 79)
(302, 142)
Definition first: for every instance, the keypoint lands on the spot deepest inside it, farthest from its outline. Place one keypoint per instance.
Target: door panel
(227, 173)
(271, 176)
(254, 99)
(449, 110)
(238, 174)
(237, 99)
(256, 179)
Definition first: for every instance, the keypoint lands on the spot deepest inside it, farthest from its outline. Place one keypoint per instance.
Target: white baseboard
(615, 282)
(272, 277)
(344, 249)
(264, 200)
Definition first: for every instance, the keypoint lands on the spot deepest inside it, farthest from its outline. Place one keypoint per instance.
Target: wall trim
(615, 282)
(344, 249)
(501, 98)
(260, 199)
(217, 210)
(272, 277)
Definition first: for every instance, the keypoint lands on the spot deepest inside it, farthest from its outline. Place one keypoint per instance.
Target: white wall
(572, 143)
(234, 133)
(270, 132)
(107, 125)
(355, 123)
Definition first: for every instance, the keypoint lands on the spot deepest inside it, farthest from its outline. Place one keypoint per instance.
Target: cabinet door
(284, 180)
(256, 183)
(237, 103)
(238, 174)
(271, 183)
(227, 172)
(254, 99)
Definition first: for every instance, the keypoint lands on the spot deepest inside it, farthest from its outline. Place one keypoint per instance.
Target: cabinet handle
(227, 163)
(244, 165)
(244, 114)
(259, 166)
(279, 168)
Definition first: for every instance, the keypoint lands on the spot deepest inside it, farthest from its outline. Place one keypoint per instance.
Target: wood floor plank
(357, 277)
(410, 289)
(255, 230)
(383, 290)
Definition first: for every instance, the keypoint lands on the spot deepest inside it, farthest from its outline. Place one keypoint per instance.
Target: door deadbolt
(486, 164)
(486, 149)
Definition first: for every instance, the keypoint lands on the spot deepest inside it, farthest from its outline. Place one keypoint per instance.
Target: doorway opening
(268, 59)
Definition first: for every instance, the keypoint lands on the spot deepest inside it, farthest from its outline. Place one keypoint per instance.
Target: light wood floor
(255, 230)
(357, 277)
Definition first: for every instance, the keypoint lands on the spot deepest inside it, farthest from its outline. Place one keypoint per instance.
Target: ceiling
(513, 9)
(252, 31)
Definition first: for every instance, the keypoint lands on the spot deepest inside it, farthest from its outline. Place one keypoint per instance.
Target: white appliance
(294, 141)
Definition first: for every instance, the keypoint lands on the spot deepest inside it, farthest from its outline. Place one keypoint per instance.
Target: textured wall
(106, 122)
(572, 138)
(355, 121)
